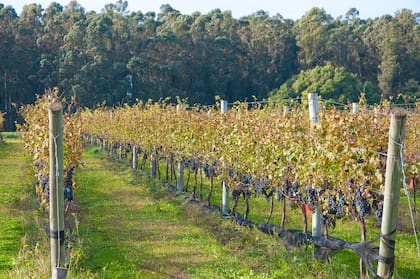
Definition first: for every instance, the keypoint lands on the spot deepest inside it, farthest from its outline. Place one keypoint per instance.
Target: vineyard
(335, 167)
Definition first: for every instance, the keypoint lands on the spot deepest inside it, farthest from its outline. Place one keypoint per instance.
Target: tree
(331, 83)
(312, 35)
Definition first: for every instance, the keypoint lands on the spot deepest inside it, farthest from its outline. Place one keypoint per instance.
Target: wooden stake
(225, 198)
(180, 180)
(392, 194)
(225, 186)
(135, 159)
(313, 115)
(56, 191)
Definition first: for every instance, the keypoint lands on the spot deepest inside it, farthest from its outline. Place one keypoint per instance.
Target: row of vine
(338, 163)
(35, 135)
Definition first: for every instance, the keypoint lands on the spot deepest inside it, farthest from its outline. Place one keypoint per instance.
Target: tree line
(116, 56)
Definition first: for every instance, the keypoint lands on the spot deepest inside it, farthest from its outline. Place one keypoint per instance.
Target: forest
(118, 56)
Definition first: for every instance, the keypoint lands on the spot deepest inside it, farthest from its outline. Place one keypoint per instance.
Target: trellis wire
(407, 193)
(57, 175)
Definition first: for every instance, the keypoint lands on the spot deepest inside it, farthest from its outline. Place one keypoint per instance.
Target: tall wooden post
(180, 178)
(392, 194)
(354, 108)
(180, 163)
(223, 106)
(135, 158)
(56, 191)
(225, 186)
(313, 115)
(153, 163)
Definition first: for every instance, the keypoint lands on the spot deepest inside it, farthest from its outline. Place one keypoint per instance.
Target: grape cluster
(263, 187)
(336, 204)
(340, 212)
(68, 183)
(210, 169)
(43, 190)
(311, 197)
(362, 204)
(378, 205)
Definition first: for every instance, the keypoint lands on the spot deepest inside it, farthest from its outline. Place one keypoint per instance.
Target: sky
(293, 9)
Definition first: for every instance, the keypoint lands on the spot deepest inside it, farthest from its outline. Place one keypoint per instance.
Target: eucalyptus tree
(8, 56)
(72, 54)
(49, 43)
(312, 36)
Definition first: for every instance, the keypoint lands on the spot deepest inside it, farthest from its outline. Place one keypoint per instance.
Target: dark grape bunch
(362, 204)
(68, 184)
(336, 204)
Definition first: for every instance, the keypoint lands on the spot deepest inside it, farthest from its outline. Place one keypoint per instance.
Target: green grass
(9, 135)
(14, 203)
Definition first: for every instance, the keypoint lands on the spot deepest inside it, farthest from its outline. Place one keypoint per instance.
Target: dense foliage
(331, 83)
(260, 149)
(117, 56)
(35, 135)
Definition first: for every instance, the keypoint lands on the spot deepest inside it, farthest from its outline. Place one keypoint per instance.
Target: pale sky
(287, 8)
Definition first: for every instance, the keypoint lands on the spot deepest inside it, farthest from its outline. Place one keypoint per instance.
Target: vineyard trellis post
(56, 184)
(180, 180)
(313, 116)
(135, 158)
(225, 186)
(181, 165)
(392, 194)
(354, 108)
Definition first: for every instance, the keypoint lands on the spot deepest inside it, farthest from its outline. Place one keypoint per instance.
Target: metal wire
(57, 175)
(407, 193)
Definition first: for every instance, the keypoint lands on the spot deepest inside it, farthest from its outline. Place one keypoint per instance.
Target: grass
(9, 135)
(15, 203)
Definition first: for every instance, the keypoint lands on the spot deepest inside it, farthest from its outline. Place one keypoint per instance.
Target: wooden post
(223, 106)
(153, 163)
(313, 107)
(121, 151)
(135, 159)
(56, 184)
(391, 194)
(354, 108)
(313, 115)
(225, 186)
(225, 199)
(180, 180)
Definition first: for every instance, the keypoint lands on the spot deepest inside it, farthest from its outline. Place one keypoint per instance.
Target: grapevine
(35, 135)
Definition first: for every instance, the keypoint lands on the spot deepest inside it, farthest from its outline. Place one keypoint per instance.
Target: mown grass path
(130, 230)
(14, 179)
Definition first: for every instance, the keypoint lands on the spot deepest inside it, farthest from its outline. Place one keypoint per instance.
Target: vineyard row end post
(56, 184)
(396, 139)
